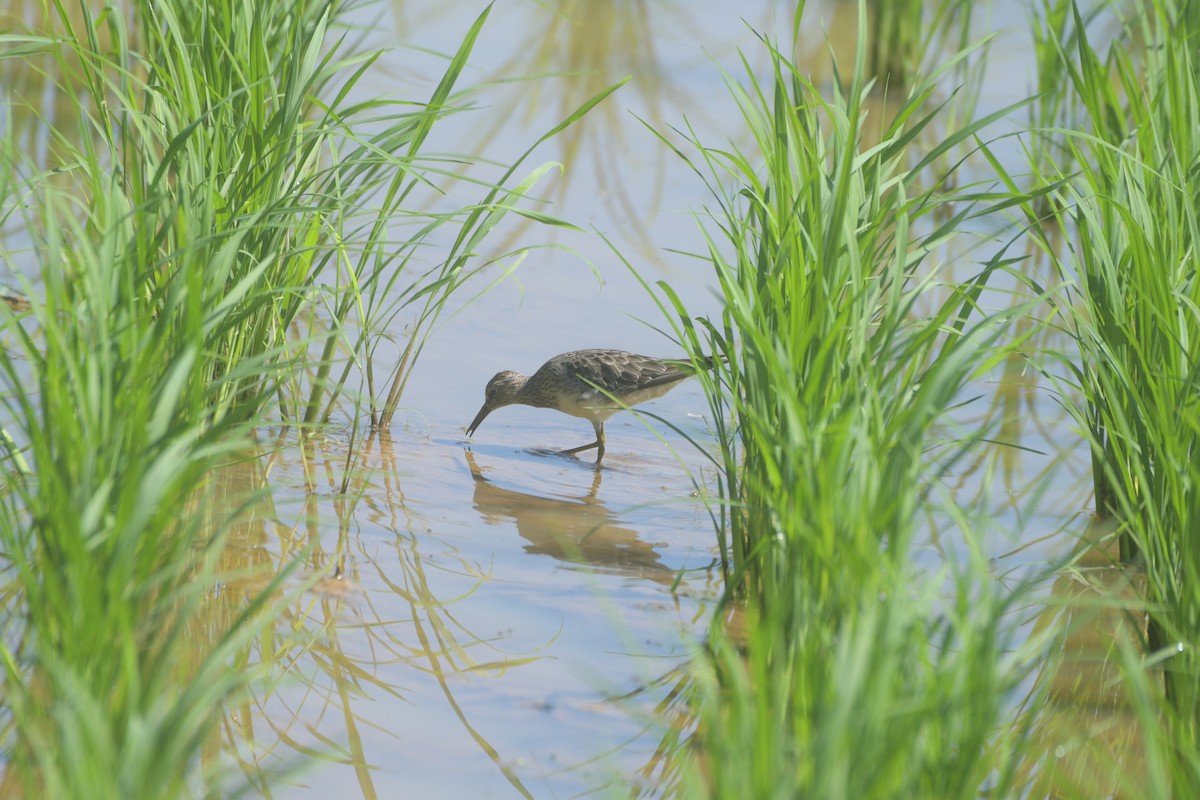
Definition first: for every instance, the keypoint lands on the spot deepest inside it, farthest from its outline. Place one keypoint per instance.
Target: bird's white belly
(596, 406)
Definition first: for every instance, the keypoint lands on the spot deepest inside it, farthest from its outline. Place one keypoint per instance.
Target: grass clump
(1134, 312)
(859, 674)
(205, 229)
(108, 538)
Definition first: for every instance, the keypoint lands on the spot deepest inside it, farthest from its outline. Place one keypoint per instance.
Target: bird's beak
(483, 412)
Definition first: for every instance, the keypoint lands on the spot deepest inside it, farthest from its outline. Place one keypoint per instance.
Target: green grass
(851, 676)
(859, 674)
(213, 236)
(1134, 312)
(111, 540)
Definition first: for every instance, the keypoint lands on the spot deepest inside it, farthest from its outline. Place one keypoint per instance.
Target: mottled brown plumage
(582, 383)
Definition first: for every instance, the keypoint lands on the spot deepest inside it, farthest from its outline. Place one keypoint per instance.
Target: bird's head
(502, 390)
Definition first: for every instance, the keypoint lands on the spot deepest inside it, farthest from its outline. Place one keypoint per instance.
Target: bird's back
(572, 381)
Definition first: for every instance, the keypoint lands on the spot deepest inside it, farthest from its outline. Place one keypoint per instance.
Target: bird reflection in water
(576, 531)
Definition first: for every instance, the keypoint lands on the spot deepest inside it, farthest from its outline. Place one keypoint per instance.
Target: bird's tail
(689, 366)
(686, 367)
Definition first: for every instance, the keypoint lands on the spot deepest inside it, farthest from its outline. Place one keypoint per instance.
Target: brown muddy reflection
(325, 664)
(1032, 440)
(570, 51)
(589, 47)
(576, 531)
(41, 83)
(1086, 733)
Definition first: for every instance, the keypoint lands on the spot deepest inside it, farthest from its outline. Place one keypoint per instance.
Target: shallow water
(493, 608)
(494, 620)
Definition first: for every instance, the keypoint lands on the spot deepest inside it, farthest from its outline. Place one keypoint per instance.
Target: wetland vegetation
(224, 230)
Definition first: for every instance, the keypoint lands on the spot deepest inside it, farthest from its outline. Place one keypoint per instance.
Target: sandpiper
(583, 383)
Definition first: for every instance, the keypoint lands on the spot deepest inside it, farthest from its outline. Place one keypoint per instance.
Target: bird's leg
(598, 444)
